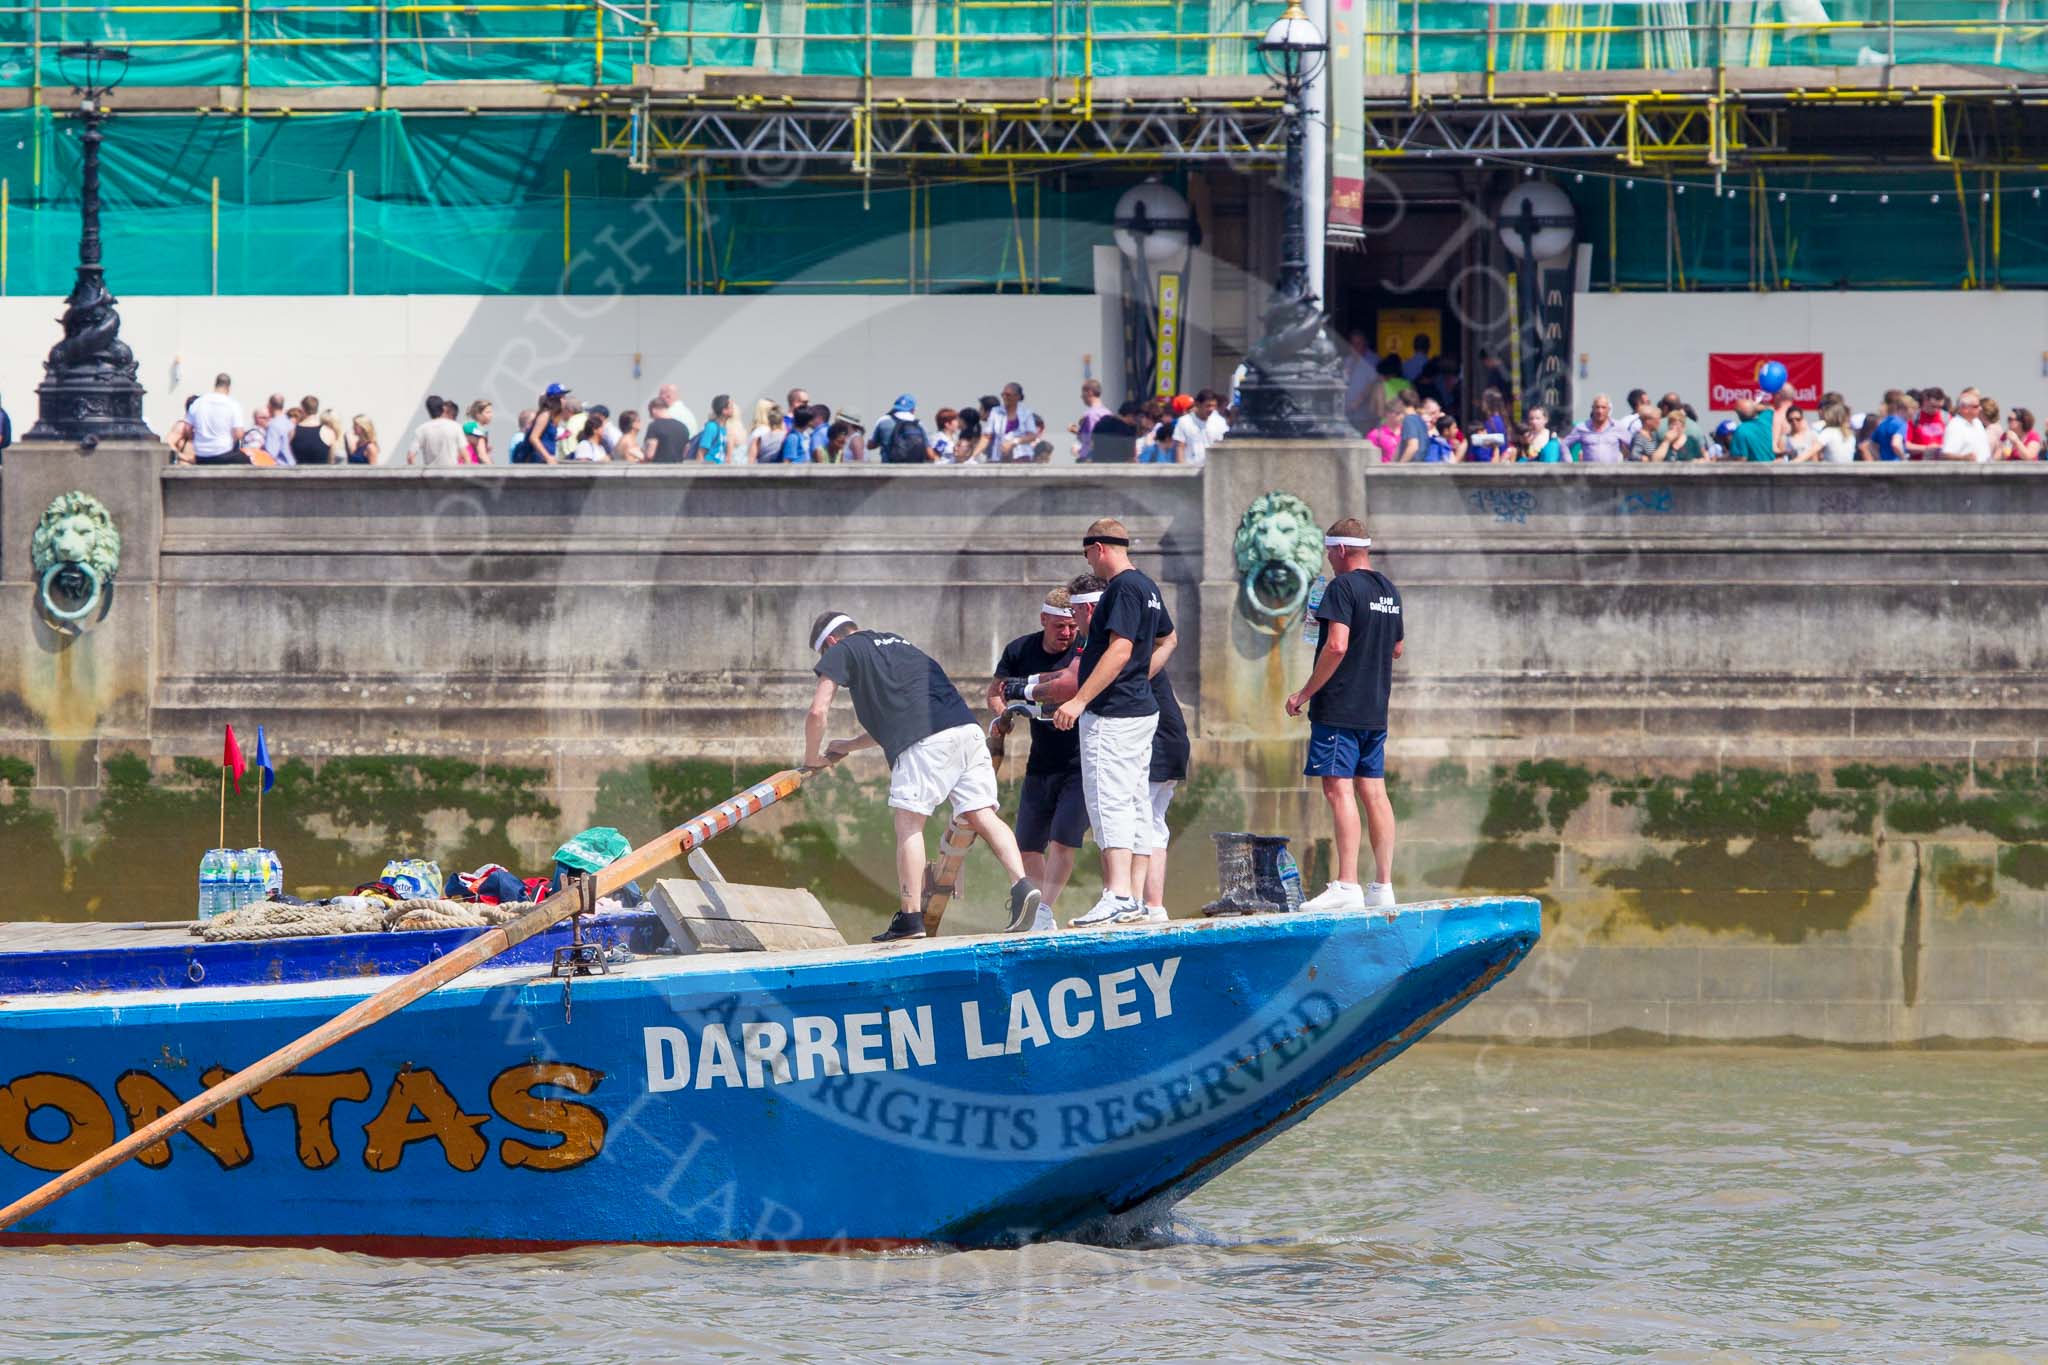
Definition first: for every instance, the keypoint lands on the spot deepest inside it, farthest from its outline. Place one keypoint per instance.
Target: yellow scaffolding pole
(1969, 247)
(1997, 234)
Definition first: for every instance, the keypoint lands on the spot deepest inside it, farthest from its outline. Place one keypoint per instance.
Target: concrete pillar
(62, 690)
(1246, 673)
(924, 25)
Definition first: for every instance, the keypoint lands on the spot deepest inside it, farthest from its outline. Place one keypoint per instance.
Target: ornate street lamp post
(89, 391)
(1293, 384)
(1155, 229)
(1536, 224)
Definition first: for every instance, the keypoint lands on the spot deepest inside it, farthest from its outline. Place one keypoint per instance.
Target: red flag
(231, 759)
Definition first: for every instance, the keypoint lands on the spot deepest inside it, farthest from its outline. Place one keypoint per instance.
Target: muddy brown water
(1464, 1203)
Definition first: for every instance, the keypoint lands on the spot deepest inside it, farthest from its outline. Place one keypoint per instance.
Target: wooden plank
(730, 917)
(41, 936)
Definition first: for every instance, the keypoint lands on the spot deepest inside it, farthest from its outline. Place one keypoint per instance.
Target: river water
(1463, 1204)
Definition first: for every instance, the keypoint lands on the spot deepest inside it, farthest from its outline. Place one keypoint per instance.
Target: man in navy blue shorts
(1359, 638)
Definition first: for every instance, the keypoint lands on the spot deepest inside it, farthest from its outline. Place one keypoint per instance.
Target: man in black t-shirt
(1114, 439)
(1052, 816)
(936, 752)
(1360, 636)
(667, 438)
(1130, 637)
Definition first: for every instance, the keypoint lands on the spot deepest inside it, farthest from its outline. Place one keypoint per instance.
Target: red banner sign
(1731, 377)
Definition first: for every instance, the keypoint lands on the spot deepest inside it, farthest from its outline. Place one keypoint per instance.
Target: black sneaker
(907, 924)
(1024, 902)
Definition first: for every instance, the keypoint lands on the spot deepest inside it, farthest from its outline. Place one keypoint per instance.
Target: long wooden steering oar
(395, 997)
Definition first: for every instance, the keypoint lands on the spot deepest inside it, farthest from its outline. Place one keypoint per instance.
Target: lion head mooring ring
(1278, 551)
(66, 570)
(1274, 593)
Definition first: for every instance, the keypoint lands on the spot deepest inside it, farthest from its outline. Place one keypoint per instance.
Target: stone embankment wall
(1764, 740)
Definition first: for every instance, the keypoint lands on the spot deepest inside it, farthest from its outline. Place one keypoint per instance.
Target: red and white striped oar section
(690, 834)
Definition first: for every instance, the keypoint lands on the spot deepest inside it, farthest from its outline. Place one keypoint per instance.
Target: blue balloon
(1772, 376)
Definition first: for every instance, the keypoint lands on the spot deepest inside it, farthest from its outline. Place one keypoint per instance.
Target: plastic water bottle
(1311, 628)
(249, 873)
(273, 874)
(225, 893)
(224, 884)
(1290, 878)
(209, 884)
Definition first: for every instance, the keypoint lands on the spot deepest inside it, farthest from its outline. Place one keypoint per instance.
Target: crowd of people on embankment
(1405, 408)
(560, 428)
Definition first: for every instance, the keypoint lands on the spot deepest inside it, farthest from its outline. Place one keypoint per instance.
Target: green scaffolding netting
(1461, 35)
(391, 43)
(424, 204)
(1815, 231)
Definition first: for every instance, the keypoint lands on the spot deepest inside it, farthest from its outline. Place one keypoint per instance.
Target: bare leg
(1116, 872)
(1155, 878)
(1379, 825)
(1344, 812)
(909, 857)
(1059, 867)
(1000, 840)
(1034, 866)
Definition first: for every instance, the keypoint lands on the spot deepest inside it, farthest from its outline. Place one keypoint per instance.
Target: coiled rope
(269, 919)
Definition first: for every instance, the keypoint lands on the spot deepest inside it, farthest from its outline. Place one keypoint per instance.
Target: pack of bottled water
(230, 878)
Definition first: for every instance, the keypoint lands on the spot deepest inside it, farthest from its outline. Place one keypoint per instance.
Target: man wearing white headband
(936, 752)
(1359, 638)
(1052, 817)
(1130, 637)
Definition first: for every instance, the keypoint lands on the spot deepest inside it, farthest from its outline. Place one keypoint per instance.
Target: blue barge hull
(971, 1091)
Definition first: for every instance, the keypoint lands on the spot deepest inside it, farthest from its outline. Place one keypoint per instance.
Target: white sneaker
(1337, 896)
(1043, 922)
(1379, 895)
(1137, 912)
(1104, 911)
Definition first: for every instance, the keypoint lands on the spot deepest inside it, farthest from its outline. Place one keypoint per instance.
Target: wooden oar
(942, 878)
(395, 997)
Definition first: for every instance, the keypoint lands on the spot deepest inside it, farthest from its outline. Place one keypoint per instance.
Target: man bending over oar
(906, 704)
(1052, 815)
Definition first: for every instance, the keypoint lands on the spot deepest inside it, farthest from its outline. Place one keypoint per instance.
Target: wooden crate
(728, 917)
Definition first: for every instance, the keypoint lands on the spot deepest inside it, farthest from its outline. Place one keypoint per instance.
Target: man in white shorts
(1169, 766)
(1130, 637)
(936, 752)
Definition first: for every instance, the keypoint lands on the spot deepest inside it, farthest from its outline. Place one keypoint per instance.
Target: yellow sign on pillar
(1167, 382)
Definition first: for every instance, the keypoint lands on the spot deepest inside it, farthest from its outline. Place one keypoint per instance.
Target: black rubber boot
(907, 924)
(1024, 902)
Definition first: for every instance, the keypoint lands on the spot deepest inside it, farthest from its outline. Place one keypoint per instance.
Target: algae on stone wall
(35, 857)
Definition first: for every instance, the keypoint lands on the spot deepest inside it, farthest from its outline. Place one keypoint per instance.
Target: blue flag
(263, 760)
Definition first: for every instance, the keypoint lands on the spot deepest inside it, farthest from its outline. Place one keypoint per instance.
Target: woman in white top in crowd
(590, 440)
(1837, 439)
(1802, 442)
(767, 430)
